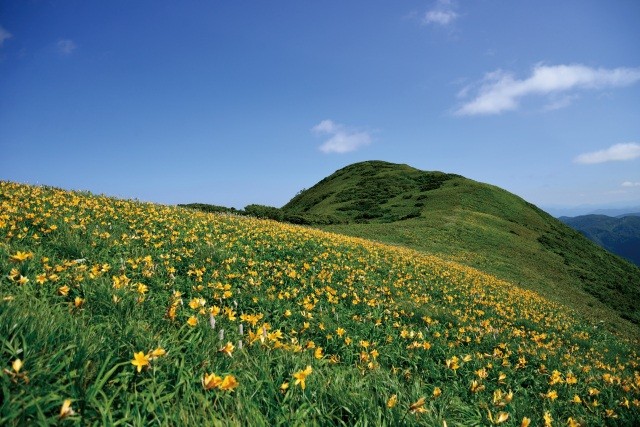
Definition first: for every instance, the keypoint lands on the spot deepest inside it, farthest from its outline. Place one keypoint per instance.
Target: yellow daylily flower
(301, 376)
(66, 410)
(21, 256)
(140, 360)
(210, 381)
(228, 383)
(393, 400)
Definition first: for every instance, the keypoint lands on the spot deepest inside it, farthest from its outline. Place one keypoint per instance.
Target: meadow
(126, 313)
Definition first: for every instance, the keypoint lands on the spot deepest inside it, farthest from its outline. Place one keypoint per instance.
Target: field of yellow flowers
(120, 312)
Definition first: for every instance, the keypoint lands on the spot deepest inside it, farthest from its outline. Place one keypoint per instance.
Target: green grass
(86, 282)
(481, 226)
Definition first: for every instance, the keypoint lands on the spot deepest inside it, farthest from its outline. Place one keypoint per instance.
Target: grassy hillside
(121, 313)
(620, 236)
(481, 226)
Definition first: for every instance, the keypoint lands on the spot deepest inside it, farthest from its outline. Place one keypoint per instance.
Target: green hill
(620, 235)
(481, 226)
(114, 312)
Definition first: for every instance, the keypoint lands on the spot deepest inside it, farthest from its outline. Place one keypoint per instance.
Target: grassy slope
(487, 228)
(86, 282)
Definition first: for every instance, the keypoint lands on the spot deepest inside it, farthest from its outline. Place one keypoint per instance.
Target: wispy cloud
(4, 35)
(66, 46)
(630, 184)
(617, 152)
(341, 139)
(442, 13)
(500, 91)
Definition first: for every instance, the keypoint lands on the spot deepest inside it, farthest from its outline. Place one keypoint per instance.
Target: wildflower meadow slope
(119, 312)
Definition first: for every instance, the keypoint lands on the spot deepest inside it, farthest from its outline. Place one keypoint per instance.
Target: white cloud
(561, 102)
(500, 91)
(4, 35)
(66, 46)
(341, 139)
(441, 14)
(630, 184)
(617, 152)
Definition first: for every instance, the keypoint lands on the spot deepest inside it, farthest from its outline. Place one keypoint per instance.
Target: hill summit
(370, 191)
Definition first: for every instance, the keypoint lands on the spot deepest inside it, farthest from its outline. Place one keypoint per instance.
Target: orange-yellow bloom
(140, 360)
(210, 381)
(502, 417)
(393, 400)
(154, 354)
(21, 256)
(228, 383)
(66, 410)
(227, 349)
(417, 406)
(301, 376)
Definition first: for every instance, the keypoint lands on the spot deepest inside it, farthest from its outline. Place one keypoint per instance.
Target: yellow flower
(476, 386)
(21, 256)
(452, 363)
(548, 419)
(340, 332)
(210, 381)
(192, 321)
(551, 394)
(228, 383)
(576, 399)
(154, 354)
(227, 349)
(393, 400)
(140, 360)
(436, 392)
(16, 365)
(301, 376)
(284, 386)
(64, 290)
(78, 302)
(572, 423)
(417, 406)
(525, 422)
(502, 417)
(318, 353)
(65, 410)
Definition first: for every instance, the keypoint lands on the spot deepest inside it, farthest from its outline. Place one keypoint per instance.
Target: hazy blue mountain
(620, 235)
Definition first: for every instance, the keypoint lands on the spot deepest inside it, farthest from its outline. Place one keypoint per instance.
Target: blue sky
(233, 103)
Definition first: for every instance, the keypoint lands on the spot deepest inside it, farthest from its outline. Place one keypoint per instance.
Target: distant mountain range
(619, 235)
(559, 211)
